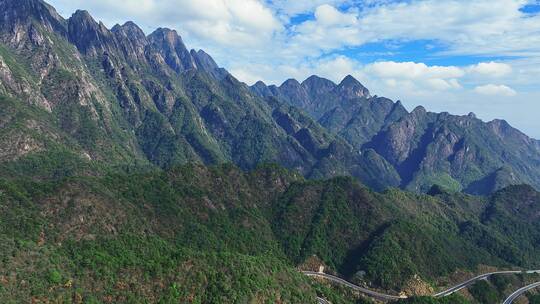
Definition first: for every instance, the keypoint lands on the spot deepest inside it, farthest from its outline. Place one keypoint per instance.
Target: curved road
(363, 290)
(520, 292)
(473, 280)
(322, 301)
(445, 293)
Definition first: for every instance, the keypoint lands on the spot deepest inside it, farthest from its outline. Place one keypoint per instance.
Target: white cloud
(417, 77)
(495, 90)
(296, 7)
(468, 27)
(442, 84)
(411, 70)
(487, 27)
(328, 15)
(331, 29)
(492, 69)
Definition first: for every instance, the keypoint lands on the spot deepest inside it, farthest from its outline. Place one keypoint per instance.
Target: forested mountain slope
(204, 230)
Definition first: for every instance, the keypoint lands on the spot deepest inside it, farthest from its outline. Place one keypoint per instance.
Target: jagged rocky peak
(132, 40)
(165, 36)
(260, 84)
(290, 83)
(129, 30)
(397, 107)
(204, 60)
(317, 80)
(500, 124)
(316, 85)
(206, 63)
(14, 11)
(18, 18)
(295, 92)
(90, 37)
(419, 111)
(352, 88)
(503, 129)
(173, 50)
(261, 89)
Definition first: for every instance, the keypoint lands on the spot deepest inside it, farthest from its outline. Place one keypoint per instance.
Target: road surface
(322, 301)
(469, 282)
(381, 296)
(520, 292)
(371, 293)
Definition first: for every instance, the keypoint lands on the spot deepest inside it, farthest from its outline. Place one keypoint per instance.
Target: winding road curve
(322, 301)
(381, 296)
(363, 290)
(520, 292)
(473, 280)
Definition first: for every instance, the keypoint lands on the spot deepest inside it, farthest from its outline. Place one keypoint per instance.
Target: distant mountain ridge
(459, 152)
(117, 97)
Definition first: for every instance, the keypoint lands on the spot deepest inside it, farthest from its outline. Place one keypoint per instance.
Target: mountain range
(423, 148)
(135, 170)
(121, 98)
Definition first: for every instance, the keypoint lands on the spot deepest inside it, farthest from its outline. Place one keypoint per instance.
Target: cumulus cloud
(415, 76)
(492, 69)
(442, 84)
(328, 15)
(329, 30)
(414, 70)
(468, 27)
(293, 8)
(486, 27)
(495, 90)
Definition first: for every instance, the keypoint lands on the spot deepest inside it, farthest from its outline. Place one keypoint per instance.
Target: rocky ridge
(118, 96)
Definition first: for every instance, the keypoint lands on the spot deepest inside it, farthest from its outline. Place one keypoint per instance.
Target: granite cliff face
(117, 97)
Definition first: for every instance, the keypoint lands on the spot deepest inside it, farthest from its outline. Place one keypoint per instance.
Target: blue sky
(458, 56)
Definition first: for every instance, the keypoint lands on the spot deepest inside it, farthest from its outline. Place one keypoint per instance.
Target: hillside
(106, 234)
